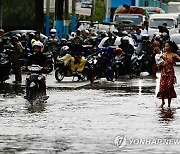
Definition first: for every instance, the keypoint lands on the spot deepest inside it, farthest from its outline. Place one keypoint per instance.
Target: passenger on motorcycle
(77, 61)
(77, 66)
(38, 59)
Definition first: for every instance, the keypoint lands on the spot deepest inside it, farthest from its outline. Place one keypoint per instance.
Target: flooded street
(88, 121)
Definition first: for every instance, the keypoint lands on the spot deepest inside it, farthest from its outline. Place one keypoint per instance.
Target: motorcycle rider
(38, 59)
(110, 41)
(108, 53)
(128, 49)
(53, 43)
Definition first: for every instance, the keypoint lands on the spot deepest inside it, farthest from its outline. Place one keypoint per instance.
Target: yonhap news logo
(121, 141)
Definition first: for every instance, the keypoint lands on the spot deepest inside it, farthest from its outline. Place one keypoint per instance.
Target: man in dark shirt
(38, 59)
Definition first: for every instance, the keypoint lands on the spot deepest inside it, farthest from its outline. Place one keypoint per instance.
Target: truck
(130, 16)
(174, 7)
(171, 19)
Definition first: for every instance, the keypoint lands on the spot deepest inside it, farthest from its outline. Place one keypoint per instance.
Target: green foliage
(18, 12)
(99, 10)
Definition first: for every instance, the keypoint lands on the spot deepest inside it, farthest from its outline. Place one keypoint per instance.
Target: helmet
(65, 48)
(86, 31)
(63, 40)
(1, 30)
(18, 35)
(73, 34)
(38, 43)
(125, 33)
(125, 38)
(145, 37)
(53, 32)
(14, 38)
(118, 51)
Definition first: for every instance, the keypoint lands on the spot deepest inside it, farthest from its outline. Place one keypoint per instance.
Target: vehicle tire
(92, 76)
(50, 67)
(59, 75)
(31, 94)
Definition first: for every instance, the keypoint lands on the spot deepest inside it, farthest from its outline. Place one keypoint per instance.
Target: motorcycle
(5, 65)
(63, 69)
(50, 61)
(33, 83)
(139, 63)
(97, 67)
(90, 67)
(119, 65)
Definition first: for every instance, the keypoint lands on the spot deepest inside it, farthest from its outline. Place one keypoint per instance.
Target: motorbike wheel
(50, 67)
(32, 94)
(91, 77)
(59, 75)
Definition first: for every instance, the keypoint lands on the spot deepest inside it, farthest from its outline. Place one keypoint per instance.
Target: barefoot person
(166, 90)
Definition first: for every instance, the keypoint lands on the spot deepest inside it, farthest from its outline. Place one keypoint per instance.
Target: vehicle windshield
(154, 23)
(176, 39)
(129, 20)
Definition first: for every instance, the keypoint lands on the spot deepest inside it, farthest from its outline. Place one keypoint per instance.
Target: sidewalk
(53, 83)
(67, 83)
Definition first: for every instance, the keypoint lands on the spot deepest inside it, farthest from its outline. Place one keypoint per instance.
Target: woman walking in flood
(167, 80)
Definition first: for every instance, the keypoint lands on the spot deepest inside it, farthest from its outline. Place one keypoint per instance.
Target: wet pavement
(106, 117)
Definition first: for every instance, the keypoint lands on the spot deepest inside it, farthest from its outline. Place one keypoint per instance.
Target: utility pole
(73, 20)
(107, 5)
(1, 7)
(160, 3)
(66, 13)
(39, 14)
(93, 11)
(59, 17)
(47, 17)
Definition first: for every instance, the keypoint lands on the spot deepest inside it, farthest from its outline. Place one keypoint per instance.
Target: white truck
(174, 7)
(171, 19)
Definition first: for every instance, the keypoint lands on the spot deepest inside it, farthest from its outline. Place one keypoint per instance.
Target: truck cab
(171, 19)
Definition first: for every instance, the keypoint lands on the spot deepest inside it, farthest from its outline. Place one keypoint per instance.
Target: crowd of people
(160, 52)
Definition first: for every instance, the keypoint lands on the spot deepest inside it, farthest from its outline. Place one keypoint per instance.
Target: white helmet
(125, 38)
(38, 43)
(53, 32)
(73, 34)
(65, 48)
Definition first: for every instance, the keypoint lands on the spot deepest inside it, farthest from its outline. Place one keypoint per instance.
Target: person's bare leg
(169, 102)
(162, 104)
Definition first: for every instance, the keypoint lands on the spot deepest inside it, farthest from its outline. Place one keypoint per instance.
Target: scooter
(33, 83)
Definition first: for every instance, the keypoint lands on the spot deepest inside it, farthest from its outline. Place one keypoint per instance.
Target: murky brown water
(88, 121)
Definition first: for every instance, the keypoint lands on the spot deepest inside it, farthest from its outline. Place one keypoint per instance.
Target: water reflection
(38, 106)
(11, 90)
(166, 115)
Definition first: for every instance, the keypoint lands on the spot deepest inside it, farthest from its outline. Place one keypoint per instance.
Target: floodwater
(124, 120)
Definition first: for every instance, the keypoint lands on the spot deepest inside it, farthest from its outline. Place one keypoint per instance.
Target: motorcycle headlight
(32, 84)
(28, 77)
(95, 61)
(90, 61)
(39, 77)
